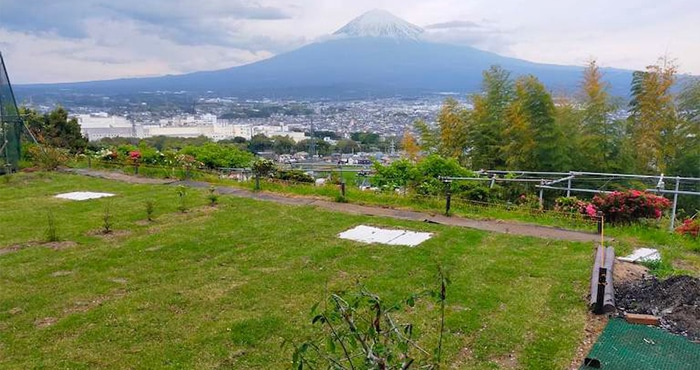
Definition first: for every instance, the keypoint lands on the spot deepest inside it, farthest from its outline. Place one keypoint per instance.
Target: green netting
(624, 346)
(10, 124)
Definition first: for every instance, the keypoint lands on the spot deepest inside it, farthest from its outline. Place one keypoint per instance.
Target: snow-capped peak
(380, 23)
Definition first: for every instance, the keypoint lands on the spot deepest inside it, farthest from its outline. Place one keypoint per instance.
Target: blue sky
(77, 40)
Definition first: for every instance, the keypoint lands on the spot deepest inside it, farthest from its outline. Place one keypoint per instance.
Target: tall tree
(687, 162)
(653, 123)
(599, 131)
(410, 146)
(56, 129)
(429, 136)
(533, 139)
(452, 121)
(488, 119)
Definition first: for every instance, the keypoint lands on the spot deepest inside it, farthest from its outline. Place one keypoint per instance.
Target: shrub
(212, 196)
(182, 195)
(47, 157)
(689, 227)
(624, 207)
(574, 205)
(150, 208)
(264, 168)
(294, 176)
(51, 233)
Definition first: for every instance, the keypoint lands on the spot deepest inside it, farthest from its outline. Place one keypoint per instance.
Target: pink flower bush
(630, 206)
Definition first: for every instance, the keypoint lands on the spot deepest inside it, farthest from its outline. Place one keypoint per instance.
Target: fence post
(675, 204)
(541, 195)
(257, 182)
(568, 188)
(89, 161)
(342, 188)
(448, 197)
(600, 294)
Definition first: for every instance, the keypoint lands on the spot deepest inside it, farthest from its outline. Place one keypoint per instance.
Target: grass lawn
(222, 287)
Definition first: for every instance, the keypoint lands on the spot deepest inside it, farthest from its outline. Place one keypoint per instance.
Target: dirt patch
(113, 234)
(508, 361)
(15, 311)
(626, 272)
(11, 249)
(57, 246)
(45, 322)
(676, 300)
(143, 222)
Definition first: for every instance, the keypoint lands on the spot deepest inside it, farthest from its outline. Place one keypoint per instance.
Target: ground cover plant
(223, 287)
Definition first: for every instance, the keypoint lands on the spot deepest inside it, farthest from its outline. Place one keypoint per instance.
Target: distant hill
(376, 54)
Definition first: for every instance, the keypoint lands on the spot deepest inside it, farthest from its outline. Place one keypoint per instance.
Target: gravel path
(505, 227)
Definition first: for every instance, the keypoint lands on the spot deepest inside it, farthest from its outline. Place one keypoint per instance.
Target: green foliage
(263, 168)
(149, 205)
(295, 176)
(46, 157)
(212, 196)
(260, 143)
(396, 175)
(216, 156)
(56, 129)
(51, 234)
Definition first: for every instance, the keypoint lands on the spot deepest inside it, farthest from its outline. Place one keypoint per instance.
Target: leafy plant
(107, 219)
(182, 195)
(213, 196)
(263, 168)
(361, 331)
(689, 227)
(295, 176)
(51, 232)
(150, 208)
(47, 157)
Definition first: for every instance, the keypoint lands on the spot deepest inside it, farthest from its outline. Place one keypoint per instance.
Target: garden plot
(369, 234)
(83, 195)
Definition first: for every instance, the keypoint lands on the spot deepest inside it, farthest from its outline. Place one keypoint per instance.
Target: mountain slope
(376, 54)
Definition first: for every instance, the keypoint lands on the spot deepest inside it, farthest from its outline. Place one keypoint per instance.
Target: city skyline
(91, 40)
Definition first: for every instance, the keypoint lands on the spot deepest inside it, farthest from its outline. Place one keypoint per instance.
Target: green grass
(222, 287)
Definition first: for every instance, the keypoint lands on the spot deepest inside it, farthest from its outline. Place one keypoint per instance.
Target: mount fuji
(376, 54)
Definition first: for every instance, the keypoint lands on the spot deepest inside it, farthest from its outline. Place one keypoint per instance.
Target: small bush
(296, 176)
(689, 227)
(150, 208)
(212, 196)
(625, 207)
(47, 157)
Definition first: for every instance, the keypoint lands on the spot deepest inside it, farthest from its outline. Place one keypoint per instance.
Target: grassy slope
(221, 288)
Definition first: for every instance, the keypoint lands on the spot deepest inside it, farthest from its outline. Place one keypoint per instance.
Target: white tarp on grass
(642, 255)
(83, 195)
(369, 234)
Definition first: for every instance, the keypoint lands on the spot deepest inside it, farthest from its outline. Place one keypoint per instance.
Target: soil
(676, 300)
(627, 272)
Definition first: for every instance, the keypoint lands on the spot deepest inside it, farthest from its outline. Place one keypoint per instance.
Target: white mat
(369, 234)
(83, 195)
(641, 255)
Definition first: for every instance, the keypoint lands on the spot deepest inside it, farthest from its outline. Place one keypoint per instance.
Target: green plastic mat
(638, 347)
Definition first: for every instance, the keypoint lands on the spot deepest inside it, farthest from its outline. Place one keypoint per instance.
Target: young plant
(107, 220)
(212, 196)
(361, 331)
(150, 208)
(182, 195)
(51, 233)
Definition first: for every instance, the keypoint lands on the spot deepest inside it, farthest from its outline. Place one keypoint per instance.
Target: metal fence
(10, 124)
(566, 183)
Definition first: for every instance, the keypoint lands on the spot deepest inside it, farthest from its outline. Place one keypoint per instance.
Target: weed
(341, 199)
(212, 196)
(107, 219)
(51, 232)
(150, 208)
(182, 195)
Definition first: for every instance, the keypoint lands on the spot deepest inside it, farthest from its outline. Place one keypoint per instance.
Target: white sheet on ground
(369, 234)
(641, 255)
(83, 195)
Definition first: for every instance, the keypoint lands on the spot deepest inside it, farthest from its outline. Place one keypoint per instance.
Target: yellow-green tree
(410, 146)
(452, 122)
(654, 129)
(488, 119)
